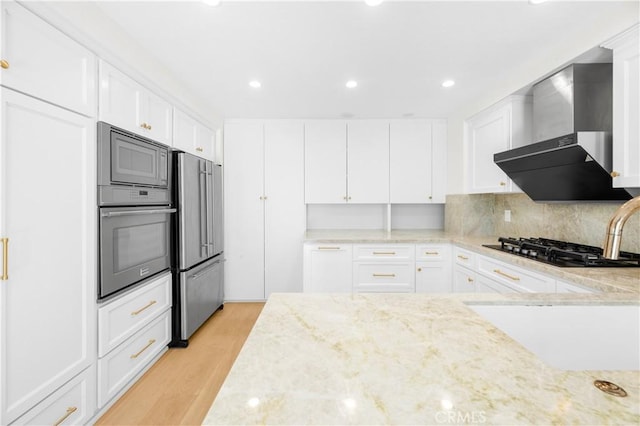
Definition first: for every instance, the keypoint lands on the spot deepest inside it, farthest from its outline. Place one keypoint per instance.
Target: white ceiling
(303, 52)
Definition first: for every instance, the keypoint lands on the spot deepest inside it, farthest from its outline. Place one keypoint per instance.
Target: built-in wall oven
(134, 209)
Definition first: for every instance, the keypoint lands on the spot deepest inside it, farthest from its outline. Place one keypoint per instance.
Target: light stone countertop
(602, 279)
(408, 359)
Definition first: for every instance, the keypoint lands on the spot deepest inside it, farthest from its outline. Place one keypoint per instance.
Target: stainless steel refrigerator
(198, 287)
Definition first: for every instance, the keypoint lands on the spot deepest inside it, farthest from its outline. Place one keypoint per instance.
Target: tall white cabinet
(48, 221)
(325, 161)
(265, 216)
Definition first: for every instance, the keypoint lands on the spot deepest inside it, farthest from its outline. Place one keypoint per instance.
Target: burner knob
(516, 249)
(509, 248)
(533, 253)
(524, 252)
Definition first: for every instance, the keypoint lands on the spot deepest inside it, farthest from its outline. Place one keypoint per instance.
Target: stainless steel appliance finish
(572, 159)
(134, 244)
(198, 279)
(563, 254)
(135, 213)
(127, 161)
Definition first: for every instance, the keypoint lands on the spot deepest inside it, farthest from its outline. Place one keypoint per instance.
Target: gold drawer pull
(69, 412)
(503, 183)
(328, 248)
(5, 259)
(153, 302)
(199, 149)
(470, 279)
(511, 277)
(614, 174)
(4, 64)
(419, 269)
(385, 275)
(431, 253)
(462, 257)
(390, 253)
(136, 355)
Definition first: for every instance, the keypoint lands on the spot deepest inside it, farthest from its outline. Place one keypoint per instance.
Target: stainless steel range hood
(572, 121)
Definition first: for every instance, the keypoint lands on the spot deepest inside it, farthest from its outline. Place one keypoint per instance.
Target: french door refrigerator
(198, 287)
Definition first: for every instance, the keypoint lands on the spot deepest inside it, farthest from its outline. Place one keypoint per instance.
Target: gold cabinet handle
(614, 174)
(4, 64)
(511, 277)
(462, 257)
(380, 253)
(263, 197)
(143, 125)
(148, 126)
(431, 253)
(199, 149)
(430, 197)
(419, 269)
(328, 248)
(153, 302)
(136, 355)
(5, 259)
(69, 412)
(385, 275)
(469, 279)
(503, 183)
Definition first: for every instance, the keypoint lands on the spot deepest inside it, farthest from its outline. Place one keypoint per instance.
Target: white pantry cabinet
(501, 127)
(41, 61)
(192, 136)
(368, 161)
(418, 159)
(626, 108)
(125, 103)
(265, 216)
(48, 226)
(328, 268)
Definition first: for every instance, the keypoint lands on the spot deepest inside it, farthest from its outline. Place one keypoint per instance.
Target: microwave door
(192, 210)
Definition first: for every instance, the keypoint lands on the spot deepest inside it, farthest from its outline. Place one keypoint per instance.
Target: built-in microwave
(132, 170)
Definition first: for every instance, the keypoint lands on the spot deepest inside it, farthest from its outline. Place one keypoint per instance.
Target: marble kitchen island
(407, 359)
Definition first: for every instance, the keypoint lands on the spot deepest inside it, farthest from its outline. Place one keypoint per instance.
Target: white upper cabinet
(368, 161)
(501, 127)
(125, 103)
(325, 161)
(626, 108)
(417, 161)
(40, 61)
(192, 136)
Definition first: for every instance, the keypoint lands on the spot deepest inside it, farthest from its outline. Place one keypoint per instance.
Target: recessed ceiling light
(448, 83)
(373, 2)
(211, 2)
(351, 84)
(255, 84)
(536, 1)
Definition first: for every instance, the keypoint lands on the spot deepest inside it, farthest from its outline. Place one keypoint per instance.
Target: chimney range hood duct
(571, 158)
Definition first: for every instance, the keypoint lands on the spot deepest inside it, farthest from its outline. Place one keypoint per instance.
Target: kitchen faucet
(616, 223)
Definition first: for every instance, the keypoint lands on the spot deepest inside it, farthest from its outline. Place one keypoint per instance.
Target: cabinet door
(244, 211)
(184, 132)
(43, 62)
(157, 114)
(368, 162)
(487, 135)
(464, 280)
(410, 162)
(119, 100)
(626, 110)
(328, 268)
(433, 277)
(48, 202)
(204, 144)
(438, 161)
(325, 162)
(284, 209)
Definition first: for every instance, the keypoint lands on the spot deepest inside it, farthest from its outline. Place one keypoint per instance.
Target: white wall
(525, 74)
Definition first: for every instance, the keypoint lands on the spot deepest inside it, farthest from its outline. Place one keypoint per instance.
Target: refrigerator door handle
(209, 213)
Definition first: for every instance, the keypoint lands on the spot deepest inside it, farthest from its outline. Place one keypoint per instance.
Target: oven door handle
(136, 212)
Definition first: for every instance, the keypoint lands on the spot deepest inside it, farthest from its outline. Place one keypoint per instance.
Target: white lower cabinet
(74, 403)
(464, 280)
(433, 268)
(515, 278)
(132, 331)
(383, 268)
(327, 268)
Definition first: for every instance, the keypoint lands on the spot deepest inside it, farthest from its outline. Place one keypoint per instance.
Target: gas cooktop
(564, 254)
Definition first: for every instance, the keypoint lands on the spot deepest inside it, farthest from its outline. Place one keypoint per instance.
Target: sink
(573, 337)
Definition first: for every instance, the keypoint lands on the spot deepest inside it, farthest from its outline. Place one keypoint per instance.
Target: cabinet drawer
(119, 319)
(73, 403)
(383, 277)
(128, 359)
(518, 279)
(385, 252)
(433, 252)
(464, 257)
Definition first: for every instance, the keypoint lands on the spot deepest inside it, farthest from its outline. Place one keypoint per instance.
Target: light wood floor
(180, 387)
